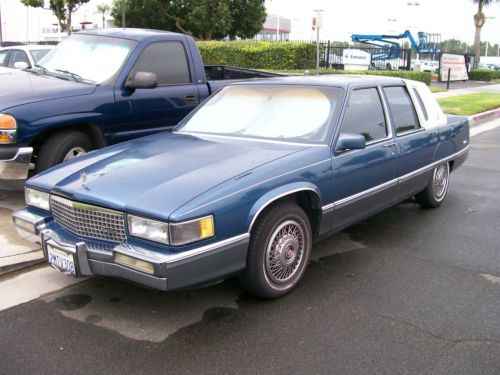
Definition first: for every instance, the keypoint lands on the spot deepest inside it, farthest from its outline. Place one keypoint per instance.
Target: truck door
(145, 111)
(416, 145)
(364, 181)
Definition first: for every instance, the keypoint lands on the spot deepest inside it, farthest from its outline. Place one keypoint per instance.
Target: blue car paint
(177, 177)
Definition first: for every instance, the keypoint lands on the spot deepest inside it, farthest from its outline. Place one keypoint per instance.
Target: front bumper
(17, 166)
(173, 270)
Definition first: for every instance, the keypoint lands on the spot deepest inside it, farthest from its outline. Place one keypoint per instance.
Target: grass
(467, 105)
(435, 88)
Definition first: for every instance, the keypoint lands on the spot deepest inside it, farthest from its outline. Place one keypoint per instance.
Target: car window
(365, 116)
(402, 109)
(167, 60)
(4, 58)
(18, 56)
(421, 103)
(37, 54)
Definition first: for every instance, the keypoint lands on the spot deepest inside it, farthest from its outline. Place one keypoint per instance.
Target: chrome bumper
(172, 270)
(16, 168)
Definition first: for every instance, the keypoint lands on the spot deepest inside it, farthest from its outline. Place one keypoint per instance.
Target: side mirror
(348, 141)
(21, 65)
(142, 80)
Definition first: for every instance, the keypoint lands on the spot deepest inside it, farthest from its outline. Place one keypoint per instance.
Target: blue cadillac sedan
(246, 183)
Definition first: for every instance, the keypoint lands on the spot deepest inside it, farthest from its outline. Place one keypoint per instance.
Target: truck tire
(61, 147)
(280, 245)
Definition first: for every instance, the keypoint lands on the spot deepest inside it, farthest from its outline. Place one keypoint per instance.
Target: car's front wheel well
(308, 200)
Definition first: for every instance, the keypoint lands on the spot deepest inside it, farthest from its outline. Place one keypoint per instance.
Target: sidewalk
(16, 253)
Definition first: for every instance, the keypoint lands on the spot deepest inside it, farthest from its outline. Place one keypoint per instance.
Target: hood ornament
(83, 177)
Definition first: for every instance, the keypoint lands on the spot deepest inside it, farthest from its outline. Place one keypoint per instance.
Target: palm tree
(103, 9)
(479, 20)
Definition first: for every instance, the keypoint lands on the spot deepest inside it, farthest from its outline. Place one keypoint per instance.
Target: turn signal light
(4, 138)
(7, 122)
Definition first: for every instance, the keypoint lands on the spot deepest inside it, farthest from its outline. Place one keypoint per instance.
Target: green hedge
(259, 55)
(484, 75)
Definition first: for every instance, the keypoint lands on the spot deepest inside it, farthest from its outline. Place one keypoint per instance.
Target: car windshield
(88, 57)
(279, 112)
(37, 54)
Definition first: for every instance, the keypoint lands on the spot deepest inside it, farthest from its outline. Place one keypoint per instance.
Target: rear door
(144, 111)
(364, 181)
(416, 145)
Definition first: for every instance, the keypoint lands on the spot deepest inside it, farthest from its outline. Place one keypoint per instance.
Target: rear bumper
(171, 271)
(16, 167)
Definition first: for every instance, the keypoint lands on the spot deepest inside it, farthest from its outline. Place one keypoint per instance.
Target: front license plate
(61, 260)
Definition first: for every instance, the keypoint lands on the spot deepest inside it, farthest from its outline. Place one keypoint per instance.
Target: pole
(1, 35)
(448, 81)
(317, 51)
(278, 29)
(27, 25)
(486, 54)
(123, 13)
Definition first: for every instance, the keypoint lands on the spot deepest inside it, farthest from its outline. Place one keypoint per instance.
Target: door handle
(433, 132)
(390, 145)
(190, 98)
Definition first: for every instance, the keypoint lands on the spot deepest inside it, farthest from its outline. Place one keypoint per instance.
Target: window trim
(185, 55)
(415, 112)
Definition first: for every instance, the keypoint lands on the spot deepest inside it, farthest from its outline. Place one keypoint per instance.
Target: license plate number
(61, 260)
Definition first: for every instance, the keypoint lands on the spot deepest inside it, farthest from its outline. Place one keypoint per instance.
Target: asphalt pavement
(407, 291)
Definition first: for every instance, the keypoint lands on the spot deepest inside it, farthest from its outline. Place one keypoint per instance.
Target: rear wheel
(435, 192)
(61, 147)
(279, 251)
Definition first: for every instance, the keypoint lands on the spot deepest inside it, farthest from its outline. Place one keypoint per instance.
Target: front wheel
(279, 251)
(435, 192)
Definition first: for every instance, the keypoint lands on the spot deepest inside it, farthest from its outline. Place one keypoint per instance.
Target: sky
(450, 18)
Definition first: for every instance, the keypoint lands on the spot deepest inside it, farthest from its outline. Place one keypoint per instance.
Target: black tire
(435, 192)
(56, 148)
(289, 224)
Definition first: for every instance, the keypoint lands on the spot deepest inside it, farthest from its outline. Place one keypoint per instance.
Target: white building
(19, 23)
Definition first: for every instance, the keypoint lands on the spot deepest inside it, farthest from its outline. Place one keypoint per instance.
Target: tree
(103, 9)
(202, 19)
(479, 20)
(62, 9)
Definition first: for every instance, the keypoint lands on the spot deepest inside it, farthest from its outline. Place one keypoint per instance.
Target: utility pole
(318, 25)
(123, 13)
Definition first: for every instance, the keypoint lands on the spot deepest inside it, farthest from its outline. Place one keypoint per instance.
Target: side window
(18, 56)
(403, 112)
(365, 116)
(167, 60)
(3, 58)
(421, 103)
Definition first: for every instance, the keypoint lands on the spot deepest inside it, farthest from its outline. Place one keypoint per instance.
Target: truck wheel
(278, 254)
(62, 147)
(435, 192)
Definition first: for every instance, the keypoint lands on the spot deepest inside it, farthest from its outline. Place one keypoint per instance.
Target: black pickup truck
(101, 87)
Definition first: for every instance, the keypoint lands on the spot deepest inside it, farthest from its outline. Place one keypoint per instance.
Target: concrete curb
(483, 117)
(20, 266)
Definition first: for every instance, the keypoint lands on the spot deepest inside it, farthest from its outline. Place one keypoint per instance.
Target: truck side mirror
(348, 141)
(142, 80)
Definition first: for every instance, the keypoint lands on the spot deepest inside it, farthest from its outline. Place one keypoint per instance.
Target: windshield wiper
(39, 69)
(76, 77)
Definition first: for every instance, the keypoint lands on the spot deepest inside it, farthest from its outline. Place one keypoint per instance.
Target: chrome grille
(87, 220)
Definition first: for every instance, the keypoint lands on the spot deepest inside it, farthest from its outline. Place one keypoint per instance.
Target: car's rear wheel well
(308, 200)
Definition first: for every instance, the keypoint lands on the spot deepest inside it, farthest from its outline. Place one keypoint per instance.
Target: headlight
(152, 230)
(37, 198)
(191, 231)
(8, 129)
(171, 234)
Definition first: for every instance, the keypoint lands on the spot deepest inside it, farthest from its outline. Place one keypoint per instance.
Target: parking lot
(407, 291)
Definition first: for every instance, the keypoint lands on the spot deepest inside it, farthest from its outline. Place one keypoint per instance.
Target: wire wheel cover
(285, 252)
(440, 181)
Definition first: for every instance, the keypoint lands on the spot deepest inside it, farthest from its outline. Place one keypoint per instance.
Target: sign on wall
(456, 65)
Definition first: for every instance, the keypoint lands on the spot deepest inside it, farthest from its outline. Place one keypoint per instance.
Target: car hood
(155, 175)
(20, 87)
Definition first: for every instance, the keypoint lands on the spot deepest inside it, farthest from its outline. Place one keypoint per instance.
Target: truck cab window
(365, 116)
(167, 60)
(402, 109)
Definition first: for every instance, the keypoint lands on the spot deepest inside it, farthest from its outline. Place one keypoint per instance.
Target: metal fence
(10, 44)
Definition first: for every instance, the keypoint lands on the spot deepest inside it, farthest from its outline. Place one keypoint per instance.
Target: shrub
(259, 55)
(482, 75)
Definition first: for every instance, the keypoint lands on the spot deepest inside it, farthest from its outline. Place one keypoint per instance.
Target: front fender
(278, 193)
